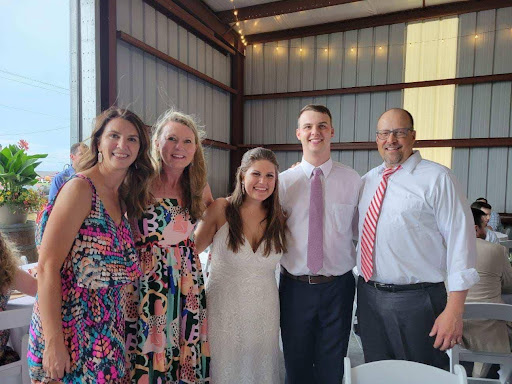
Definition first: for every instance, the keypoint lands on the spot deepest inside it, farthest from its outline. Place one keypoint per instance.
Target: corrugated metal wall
(149, 86)
(370, 56)
(353, 59)
(483, 110)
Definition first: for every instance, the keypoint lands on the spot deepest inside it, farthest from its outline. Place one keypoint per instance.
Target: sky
(34, 78)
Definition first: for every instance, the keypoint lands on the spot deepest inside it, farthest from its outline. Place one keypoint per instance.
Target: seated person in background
(486, 209)
(495, 273)
(494, 220)
(76, 152)
(11, 277)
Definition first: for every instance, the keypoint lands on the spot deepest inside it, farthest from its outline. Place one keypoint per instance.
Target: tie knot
(389, 171)
(317, 172)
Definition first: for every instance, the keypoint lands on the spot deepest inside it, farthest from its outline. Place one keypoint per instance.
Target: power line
(26, 110)
(34, 85)
(28, 133)
(31, 79)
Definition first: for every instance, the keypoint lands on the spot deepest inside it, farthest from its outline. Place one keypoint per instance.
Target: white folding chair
(17, 372)
(506, 244)
(485, 311)
(401, 372)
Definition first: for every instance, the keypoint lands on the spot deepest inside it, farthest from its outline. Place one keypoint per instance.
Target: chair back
(487, 311)
(484, 311)
(16, 372)
(506, 244)
(401, 372)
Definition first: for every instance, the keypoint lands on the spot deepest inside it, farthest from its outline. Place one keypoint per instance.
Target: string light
(472, 36)
(235, 12)
(237, 23)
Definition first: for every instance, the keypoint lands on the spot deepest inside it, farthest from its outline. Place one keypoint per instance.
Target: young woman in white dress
(247, 233)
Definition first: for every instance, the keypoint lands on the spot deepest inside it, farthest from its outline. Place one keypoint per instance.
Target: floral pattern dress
(167, 332)
(101, 263)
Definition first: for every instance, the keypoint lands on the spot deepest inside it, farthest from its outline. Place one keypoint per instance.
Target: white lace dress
(243, 314)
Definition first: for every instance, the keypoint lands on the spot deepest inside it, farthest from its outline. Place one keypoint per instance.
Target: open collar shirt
(341, 186)
(425, 231)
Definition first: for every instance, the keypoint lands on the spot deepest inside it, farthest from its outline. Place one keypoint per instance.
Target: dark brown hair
(315, 108)
(134, 191)
(8, 264)
(275, 233)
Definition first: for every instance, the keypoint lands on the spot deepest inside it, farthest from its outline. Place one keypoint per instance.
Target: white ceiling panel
(320, 15)
(223, 5)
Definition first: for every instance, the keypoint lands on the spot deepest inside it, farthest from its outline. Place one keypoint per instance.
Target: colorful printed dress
(102, 261)
(167, 335)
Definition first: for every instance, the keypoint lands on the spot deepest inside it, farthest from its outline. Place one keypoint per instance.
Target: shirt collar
(408, 165)
(308, 167)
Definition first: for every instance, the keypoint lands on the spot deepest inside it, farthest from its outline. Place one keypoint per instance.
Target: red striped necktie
(370, 224)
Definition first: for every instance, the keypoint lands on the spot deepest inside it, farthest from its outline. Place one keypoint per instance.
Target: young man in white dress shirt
(317, 286)
(424, 236)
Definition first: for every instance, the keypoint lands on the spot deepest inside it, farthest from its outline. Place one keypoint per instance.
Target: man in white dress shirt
(424, 237)
(317, 286)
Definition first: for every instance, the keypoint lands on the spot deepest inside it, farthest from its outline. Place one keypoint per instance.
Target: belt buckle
(309, 280)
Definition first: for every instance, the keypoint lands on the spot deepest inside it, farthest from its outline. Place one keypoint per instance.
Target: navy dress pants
(315, 328)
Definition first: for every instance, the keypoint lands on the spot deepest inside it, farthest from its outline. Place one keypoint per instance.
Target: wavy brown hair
(275, 233)
(194, 178)
(8, 264)
(134, 190)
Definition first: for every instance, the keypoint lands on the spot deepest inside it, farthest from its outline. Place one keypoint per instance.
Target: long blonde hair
(194, 179)
(275, 232)
(8, 264)
(134, 191)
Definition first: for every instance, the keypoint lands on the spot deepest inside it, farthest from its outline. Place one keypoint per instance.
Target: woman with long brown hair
(167, 335)
(87, 258)
(247, 233)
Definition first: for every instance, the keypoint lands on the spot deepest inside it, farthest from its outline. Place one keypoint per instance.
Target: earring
(136, 165)
(243, 188)
(100, 157)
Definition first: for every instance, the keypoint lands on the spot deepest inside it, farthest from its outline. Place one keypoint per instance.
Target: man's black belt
(400, 287)
(310, 279)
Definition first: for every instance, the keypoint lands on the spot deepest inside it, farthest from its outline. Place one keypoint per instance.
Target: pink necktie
(316, 224)
(370, 224)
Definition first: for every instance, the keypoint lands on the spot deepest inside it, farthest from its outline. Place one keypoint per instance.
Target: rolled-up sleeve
(456, 224)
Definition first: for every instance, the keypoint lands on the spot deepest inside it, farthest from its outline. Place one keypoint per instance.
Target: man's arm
(57, 182)
(456, 225)
(448, 326)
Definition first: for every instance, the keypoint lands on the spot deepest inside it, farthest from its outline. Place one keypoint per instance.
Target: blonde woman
(167, 337)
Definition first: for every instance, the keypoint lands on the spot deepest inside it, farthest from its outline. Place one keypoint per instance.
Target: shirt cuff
(462, 280)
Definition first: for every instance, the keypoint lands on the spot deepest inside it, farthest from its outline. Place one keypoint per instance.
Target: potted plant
(17, 175)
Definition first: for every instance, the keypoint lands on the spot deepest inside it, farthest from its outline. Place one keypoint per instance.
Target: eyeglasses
(399, 133)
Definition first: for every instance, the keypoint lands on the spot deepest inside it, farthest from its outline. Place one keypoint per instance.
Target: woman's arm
(207, 195)
(209, 224)
(25, 283)
(71, 208)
